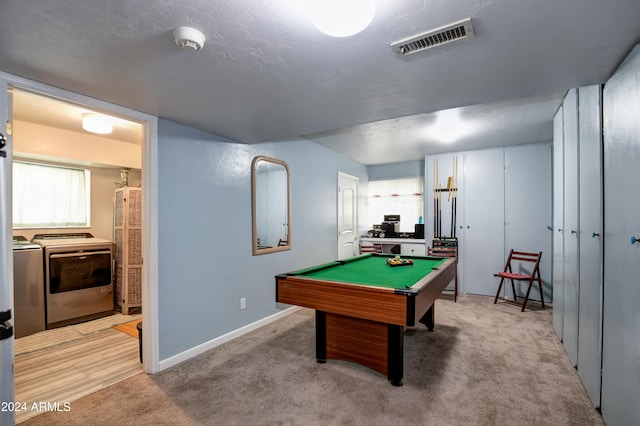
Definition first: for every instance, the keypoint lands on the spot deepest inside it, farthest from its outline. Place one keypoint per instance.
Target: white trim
(151, 343)
(197, 350)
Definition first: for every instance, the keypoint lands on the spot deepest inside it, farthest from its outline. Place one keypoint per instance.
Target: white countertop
(393, 240)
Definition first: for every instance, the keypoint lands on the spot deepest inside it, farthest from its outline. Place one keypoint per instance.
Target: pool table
(363, 305)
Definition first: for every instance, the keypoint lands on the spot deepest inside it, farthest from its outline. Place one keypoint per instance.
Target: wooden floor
(71, 370)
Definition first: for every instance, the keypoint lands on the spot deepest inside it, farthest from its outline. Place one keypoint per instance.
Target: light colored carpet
(484, 364)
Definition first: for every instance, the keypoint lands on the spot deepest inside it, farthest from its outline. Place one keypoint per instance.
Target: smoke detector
(186, 37)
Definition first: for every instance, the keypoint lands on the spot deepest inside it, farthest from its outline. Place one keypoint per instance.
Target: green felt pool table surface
(372, 269)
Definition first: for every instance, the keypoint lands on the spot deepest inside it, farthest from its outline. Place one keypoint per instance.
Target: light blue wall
(204, 221)
(406, 169)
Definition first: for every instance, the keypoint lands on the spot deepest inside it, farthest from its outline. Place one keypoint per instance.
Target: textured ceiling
(266, 73)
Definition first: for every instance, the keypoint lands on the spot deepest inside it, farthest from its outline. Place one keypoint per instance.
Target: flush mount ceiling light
(342, 18)
(449, 126)
(190, 38)
(96, 123)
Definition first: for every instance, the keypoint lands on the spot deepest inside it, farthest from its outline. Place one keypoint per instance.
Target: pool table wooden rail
(400, 307)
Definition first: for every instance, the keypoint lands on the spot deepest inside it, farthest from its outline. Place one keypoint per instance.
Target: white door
(590, 294)
(482, 191)
(621, 315)
(571, 231)
(6, 262)
(558, 223)
(528, 208)
(348, 243)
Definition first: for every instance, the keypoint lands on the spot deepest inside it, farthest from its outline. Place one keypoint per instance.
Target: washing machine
(28, 287)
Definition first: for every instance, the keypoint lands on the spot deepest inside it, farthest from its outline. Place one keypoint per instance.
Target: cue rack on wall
(451, 190)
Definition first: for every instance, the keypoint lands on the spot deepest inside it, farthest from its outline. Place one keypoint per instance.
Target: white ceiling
(266, 73)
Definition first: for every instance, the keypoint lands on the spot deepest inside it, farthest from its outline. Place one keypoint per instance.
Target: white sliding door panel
(528, 208)
(621, 312)
(571, 231)
(590, 279)
(483, 225)
(557, 282)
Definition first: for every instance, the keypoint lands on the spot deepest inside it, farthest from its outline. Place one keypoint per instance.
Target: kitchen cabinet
(413, 250)
(127, 235)
(402, 246)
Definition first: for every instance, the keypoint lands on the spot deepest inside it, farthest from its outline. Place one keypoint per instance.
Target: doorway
(348, 242)
(9, 85)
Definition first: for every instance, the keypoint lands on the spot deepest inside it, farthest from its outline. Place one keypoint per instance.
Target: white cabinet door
(528, 207)
(571, 231)
(482, 233)
(621, 312)
(590, 292)
(557, 280)
(413, 250)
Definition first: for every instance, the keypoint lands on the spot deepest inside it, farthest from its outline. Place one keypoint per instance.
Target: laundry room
(66, 179)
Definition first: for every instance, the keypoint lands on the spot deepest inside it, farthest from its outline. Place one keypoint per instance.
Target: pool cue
(452, 202)
(440, 209)
(455, 196)
(435, 194)
(438, 200)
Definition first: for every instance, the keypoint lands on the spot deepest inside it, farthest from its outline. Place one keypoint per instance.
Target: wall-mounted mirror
(271, 208)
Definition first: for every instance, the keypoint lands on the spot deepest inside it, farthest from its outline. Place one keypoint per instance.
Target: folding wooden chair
(447, 252)
(516, 269)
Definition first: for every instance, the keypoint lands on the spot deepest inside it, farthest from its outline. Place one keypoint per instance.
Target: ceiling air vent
(446, 34)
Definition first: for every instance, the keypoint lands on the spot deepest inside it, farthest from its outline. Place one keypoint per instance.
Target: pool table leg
(427, 318)
(321, 337)
(395, 354)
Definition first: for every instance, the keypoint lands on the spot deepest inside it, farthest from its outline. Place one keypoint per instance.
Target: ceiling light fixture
(96, 123)
(449, 126)
(342, 18)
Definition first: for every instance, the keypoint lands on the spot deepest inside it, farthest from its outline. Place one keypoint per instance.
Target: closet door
(621, 308)
(571, 231)
(558, 223)
(590, 294)
(482, 229)
(528, 207)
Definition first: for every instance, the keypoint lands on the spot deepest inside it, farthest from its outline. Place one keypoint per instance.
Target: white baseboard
(197, 350)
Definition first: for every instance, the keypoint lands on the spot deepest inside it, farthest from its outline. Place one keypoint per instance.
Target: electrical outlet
(243, 303)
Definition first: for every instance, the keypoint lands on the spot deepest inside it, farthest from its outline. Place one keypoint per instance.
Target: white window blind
(404, 197)
(48, 196)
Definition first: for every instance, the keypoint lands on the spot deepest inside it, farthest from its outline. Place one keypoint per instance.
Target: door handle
(634, 240)
(3, 143)
(6, 329)
(594, 234)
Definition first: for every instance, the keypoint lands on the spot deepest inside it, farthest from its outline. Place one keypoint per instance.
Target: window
(48, 196)
(404, 197)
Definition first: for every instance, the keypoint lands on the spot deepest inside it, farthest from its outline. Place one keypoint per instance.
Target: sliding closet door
(590, 295)
(528, 207)
(571, 231)
(483, 226)
(621, 309)
(557, 282)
